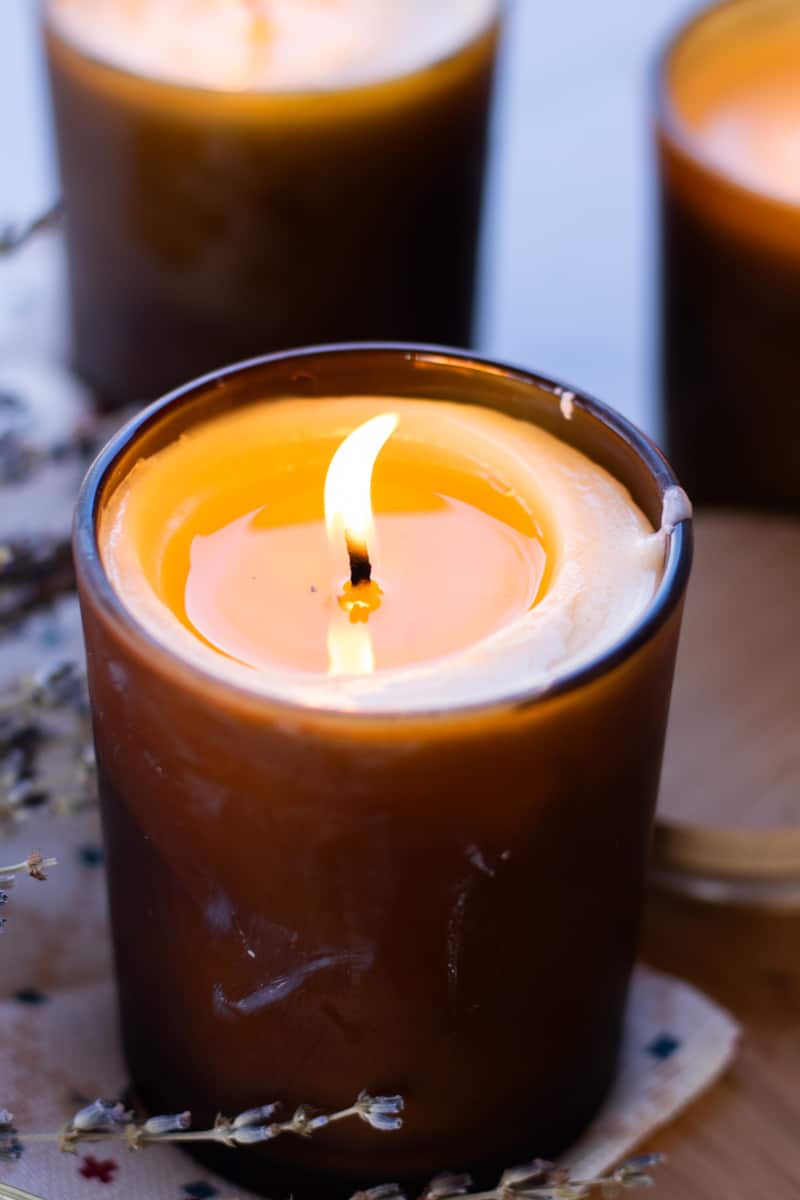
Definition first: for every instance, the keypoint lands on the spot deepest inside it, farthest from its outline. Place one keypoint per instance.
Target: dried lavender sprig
(34, 560)
(33, 574)
(22, 454)
(14, 236)
(538, 1180)
(105, 1121)
(63, 686)
(35, 866)
(28, 731)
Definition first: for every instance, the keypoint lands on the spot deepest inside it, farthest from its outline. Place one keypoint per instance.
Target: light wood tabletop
(741, 1141)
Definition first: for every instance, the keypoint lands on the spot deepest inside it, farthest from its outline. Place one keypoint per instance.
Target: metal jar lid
(728, 824)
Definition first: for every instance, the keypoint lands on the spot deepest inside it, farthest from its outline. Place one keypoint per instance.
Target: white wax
(271, 45)
(606, 560)
(759, 145)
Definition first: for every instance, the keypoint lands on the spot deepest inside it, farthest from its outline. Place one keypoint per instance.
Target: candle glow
(246, 45)
(504, 554)
(349, 517)
(350, 522)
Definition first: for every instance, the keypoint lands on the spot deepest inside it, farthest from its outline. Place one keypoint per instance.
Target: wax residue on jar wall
(677, 507)
(270, 45)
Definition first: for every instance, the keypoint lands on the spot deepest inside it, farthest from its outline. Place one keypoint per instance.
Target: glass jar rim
(492, 24)
(94, 578)
(677, 133)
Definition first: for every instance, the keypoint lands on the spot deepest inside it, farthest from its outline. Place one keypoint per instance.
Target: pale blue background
(569, 265)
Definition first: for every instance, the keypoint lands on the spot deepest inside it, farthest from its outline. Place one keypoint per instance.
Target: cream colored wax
(505, 557)
(265, 45)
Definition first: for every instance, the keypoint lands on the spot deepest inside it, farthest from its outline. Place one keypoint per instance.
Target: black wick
(360, 566)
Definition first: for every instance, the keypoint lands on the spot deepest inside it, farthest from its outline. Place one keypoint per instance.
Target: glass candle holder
(493, 993)
(727, 113)
(208, 224)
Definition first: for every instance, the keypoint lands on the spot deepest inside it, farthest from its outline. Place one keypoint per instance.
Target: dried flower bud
(65, 685)
(446, 1185)
(313, 1124)
(3, 895)
(25, 793)
(303, 1121)
(639, 1164)
(251, 1135)
(10, 1145)
(6, 1118)
(176, 1123)
(36, 865)
(12, 766)
(540, 1172)
(100, 1117)
(381, 1112)
(256, 1116)
(386, 1191)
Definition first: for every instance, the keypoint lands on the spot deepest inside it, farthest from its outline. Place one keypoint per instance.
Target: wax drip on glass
(351, 528)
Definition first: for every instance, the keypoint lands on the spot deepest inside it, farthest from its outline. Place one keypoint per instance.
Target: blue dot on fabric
(30, 996)
(90, 856)
(663, 1047)
(200, 1191)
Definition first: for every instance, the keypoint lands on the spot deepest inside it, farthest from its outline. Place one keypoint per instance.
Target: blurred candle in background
(729, 143)
(247, 175)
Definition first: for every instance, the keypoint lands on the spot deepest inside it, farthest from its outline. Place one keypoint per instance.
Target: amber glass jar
(311, 829)
(730, 268)
(205, 225)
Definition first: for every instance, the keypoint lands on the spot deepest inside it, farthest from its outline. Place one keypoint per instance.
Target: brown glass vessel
(205, 226)
(492, 989)
(731, 282)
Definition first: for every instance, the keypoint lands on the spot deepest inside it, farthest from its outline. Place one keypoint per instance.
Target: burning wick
(350, 523)
(348, 494)
(360, 566)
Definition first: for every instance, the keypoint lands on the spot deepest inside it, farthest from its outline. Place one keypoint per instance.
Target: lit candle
(506, 556)
(380, 684)
(245, 175)
(729, 139)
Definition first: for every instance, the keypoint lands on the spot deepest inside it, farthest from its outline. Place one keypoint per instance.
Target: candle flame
(350, 523)
(349, 647)
(348, 487)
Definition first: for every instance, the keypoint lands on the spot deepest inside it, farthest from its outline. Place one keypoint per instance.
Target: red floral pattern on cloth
(103, 1170)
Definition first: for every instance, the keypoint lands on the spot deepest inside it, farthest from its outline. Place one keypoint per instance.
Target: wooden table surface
(742, 1140)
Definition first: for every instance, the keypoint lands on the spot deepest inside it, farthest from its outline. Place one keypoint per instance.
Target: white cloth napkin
(59, 1044)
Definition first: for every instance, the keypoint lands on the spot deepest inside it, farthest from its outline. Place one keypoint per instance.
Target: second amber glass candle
(220, 206)
(727, 122)
(441, 899)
